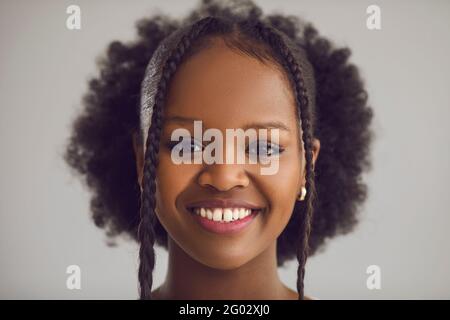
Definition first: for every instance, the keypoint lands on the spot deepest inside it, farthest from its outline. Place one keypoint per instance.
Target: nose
(223, 177)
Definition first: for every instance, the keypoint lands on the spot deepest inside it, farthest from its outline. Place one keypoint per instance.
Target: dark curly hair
(332, 106)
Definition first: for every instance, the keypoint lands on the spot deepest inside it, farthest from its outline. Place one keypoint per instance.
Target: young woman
(226, 226)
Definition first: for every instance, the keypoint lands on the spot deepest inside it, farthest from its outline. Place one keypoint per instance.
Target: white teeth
(227, 215)
(223, 214)
(235, 213)
(242, 213)
(217, 214)
(209, 214)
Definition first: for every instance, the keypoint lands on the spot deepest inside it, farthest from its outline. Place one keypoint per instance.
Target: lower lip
(225, 227)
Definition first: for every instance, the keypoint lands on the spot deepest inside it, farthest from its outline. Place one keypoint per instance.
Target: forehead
(222, 86)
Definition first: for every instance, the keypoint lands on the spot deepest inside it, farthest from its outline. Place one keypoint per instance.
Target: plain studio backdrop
(45, 221)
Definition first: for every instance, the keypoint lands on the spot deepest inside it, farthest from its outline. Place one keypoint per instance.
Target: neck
(191, 280)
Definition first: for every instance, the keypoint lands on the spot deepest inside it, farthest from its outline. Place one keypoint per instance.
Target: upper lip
(223, 203)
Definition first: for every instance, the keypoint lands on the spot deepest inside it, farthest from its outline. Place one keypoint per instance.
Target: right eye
(186, 145)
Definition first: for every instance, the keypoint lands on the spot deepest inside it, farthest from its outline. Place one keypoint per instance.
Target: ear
(139, 155)
(315, 150)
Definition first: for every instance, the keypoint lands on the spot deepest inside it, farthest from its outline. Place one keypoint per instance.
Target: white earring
(302, 196)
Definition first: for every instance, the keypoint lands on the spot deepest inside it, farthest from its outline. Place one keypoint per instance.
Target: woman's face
(226, 89)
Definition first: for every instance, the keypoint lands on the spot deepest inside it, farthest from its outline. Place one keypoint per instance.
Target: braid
(277, 43)
(146, 232)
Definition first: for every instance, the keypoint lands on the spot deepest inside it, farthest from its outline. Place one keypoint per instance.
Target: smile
(223, 214)
(220, 216)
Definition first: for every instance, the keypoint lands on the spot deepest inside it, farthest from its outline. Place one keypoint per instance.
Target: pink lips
(220, 227)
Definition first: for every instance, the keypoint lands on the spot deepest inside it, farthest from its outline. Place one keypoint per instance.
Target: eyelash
(270, 145)
(174, 144)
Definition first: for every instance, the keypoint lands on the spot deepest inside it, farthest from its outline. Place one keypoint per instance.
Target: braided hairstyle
(331, 105)
(304, 111)
(146, 226)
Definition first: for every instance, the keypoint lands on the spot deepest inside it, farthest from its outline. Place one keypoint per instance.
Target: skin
(227, 89)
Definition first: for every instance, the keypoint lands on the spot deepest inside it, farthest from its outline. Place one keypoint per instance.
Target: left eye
(263, 149)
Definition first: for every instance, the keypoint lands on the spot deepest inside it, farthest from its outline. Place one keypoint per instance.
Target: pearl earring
(302, 196)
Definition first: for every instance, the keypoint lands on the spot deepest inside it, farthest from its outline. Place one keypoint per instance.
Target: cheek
(281, 190)
(172, 180)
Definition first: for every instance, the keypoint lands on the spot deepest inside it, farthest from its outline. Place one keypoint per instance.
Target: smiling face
(226, 89)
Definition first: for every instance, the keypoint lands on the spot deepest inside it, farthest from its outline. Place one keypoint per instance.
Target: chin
(224, 263)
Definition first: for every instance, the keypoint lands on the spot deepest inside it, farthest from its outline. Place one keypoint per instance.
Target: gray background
(45, 223)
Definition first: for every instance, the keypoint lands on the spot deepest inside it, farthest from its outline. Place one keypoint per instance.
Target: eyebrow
(253, 125)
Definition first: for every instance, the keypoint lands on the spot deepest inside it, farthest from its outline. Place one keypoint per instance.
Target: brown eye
(263, 148)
